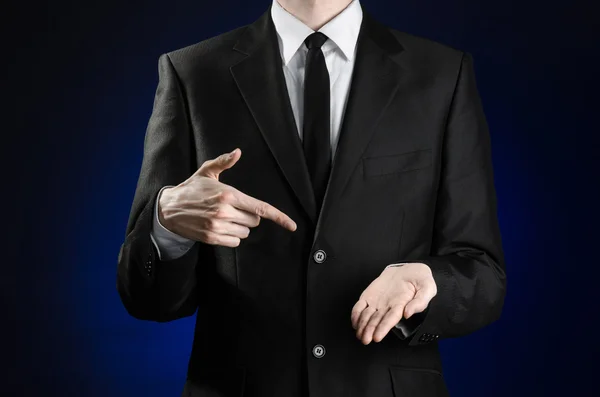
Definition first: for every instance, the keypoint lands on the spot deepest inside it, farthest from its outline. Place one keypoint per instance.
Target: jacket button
(319, 256)
(318, 351)
(425, 337)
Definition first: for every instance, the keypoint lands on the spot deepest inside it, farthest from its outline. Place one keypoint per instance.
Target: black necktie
(316, 125)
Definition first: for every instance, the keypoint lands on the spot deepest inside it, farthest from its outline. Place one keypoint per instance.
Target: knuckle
(206, 163)
(225, 196)
(433, 289)
(209, 238)
(261, 210)
(204, 168)
(210, 224)
(219, 212)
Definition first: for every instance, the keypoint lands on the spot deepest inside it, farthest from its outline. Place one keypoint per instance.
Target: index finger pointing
(264, 210)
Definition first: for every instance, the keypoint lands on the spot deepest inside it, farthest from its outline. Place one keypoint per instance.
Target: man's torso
(269, 301)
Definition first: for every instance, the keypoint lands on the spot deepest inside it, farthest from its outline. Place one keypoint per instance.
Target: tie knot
(315, 40)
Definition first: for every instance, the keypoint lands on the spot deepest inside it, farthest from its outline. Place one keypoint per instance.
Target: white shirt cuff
(169, 245)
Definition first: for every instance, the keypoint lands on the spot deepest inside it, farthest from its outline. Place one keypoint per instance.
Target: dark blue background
(78, 90)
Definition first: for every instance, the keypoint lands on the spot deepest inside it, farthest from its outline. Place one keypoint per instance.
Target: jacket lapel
(259, 77)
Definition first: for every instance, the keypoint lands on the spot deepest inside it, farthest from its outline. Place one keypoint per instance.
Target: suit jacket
(411, 181)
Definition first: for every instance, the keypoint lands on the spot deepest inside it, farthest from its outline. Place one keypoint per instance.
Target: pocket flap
(382, 165)
(418, 382)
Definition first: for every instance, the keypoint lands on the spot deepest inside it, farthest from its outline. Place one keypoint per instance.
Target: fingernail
(231, 154)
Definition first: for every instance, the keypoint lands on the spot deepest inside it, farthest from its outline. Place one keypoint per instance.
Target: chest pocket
(396, 163)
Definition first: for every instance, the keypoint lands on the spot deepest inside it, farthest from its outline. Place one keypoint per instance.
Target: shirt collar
(342, 30)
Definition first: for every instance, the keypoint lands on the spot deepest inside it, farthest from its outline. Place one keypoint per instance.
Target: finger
(264, 210)
(389, 320)
(356, 310)
(242, 217)
(219, 239)
(367, 335)
(212, 168)
(224, 211)
(420, 301)
(229, 228)
(364, 318)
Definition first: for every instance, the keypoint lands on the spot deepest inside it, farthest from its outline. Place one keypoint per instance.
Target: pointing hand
(203, 209)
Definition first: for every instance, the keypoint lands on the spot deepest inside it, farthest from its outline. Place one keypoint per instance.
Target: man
(367, 152)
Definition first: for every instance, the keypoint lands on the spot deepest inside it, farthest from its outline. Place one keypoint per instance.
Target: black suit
(411, 181)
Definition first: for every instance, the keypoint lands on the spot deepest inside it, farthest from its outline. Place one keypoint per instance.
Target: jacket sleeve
(467, 259)
(150, 288)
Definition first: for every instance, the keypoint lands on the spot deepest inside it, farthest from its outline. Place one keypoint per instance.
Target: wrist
(418, 267)
(164, 199)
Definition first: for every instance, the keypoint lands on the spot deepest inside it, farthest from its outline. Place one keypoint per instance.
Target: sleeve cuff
(168, 245)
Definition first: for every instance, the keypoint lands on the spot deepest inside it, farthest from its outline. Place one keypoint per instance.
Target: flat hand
(400, 291)
(203, 209)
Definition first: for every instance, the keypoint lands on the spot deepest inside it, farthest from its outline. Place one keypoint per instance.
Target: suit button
(319, 256)
(425, 337)
(318, 351)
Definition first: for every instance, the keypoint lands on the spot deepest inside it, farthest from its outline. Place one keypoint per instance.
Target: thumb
(418, 303)
(212, 168)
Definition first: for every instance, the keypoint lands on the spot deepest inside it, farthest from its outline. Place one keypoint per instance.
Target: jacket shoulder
(210, 52)
(430, 57)
(426, 47)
